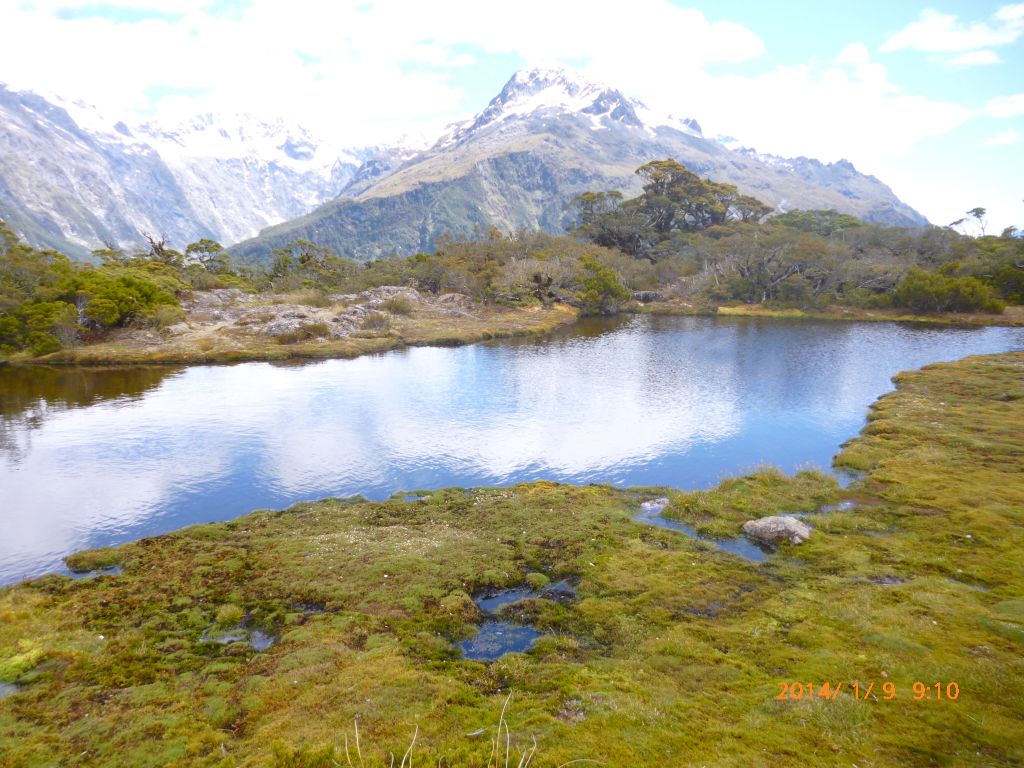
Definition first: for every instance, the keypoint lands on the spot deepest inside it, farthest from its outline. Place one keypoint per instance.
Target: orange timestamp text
(886, 691)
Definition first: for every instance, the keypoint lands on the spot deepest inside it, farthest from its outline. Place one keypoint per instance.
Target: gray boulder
(777, 529)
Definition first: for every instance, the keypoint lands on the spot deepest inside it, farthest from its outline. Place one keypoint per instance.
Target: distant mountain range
(68, 181)
(72, 181)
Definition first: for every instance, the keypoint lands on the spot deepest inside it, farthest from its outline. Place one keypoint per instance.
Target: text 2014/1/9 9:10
(886, 691)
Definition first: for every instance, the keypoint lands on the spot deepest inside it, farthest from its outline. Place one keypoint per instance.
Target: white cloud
(848, 108)
(1006, 106)
(937, 32)
(364, 69)
(975, 58)
(1003, 139)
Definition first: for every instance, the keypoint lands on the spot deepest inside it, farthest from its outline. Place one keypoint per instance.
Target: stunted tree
(158, 251)
(978, 214)
(208, 254)
(603, 219)
(675, 203)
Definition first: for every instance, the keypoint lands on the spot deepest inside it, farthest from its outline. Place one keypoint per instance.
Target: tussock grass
(305, 332)
(398, 305)
(309, 297)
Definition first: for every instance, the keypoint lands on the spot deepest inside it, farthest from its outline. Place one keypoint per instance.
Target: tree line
(682, 238)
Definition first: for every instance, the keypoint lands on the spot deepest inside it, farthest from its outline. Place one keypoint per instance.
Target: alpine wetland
(362, 404)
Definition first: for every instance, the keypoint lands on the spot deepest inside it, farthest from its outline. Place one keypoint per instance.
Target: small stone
(776, 529)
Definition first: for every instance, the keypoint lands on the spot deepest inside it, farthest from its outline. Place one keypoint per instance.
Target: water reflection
(28, 396)
(93, 459)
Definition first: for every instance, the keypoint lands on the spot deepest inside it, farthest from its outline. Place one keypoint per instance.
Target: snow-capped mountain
(546, 137)
(550, 92)
(73, 180)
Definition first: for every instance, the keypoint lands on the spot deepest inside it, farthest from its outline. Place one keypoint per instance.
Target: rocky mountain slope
(546, 137)
(73, 181)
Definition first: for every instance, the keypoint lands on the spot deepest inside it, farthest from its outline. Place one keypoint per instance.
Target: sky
(927, 96)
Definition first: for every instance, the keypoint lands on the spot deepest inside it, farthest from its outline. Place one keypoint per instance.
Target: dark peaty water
(97, 458)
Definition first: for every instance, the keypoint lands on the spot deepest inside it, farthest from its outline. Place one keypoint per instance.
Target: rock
(645, 296)
(776, 529)
(654, 506)
(375, 297)
(454, 300)
(212, 299)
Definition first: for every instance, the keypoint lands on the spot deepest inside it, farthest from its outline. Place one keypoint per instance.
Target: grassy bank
(671, 654)
(218, 345)
(1011, 316)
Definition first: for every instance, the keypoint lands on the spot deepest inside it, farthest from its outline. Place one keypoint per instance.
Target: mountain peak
(558, 81)
(546, 91)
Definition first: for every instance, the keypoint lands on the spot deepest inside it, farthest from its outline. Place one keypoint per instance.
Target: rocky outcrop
(234, 312)
(777, 529)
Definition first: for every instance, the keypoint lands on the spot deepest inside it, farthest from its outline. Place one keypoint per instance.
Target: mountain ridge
(547, 136)
(72, 180)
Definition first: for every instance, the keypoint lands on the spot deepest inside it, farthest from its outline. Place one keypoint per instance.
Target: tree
(602, 219)
(159, 252)
(821, 222)
(209, 254)
(979, 215)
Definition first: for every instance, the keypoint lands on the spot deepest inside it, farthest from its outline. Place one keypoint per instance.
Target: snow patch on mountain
(538, 92)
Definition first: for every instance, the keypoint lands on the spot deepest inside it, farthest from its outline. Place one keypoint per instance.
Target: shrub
(305, 332)
(41, 343)
(102, 312)
(602, 292)
(397, 305)
(165, 315)
(927, 292)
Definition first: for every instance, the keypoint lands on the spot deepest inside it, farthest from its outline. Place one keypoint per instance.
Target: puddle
(847, 477)
(256, 638)
(887, 581)
(492, 601)
(975, 587)
(559, 592)
(310, 609)
(7, 689)
(114, 571)
(740, 546)
(496, 638)
(842, 506)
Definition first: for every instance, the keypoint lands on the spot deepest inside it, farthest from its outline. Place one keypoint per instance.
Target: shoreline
(507, 324)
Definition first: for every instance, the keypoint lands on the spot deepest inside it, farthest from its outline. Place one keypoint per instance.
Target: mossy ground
(670, 656)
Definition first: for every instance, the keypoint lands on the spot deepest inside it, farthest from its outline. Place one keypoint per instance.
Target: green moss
(93, 560)
(722, 511)
(26, 655)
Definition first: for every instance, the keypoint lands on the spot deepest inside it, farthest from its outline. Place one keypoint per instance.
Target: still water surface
(100, 457)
